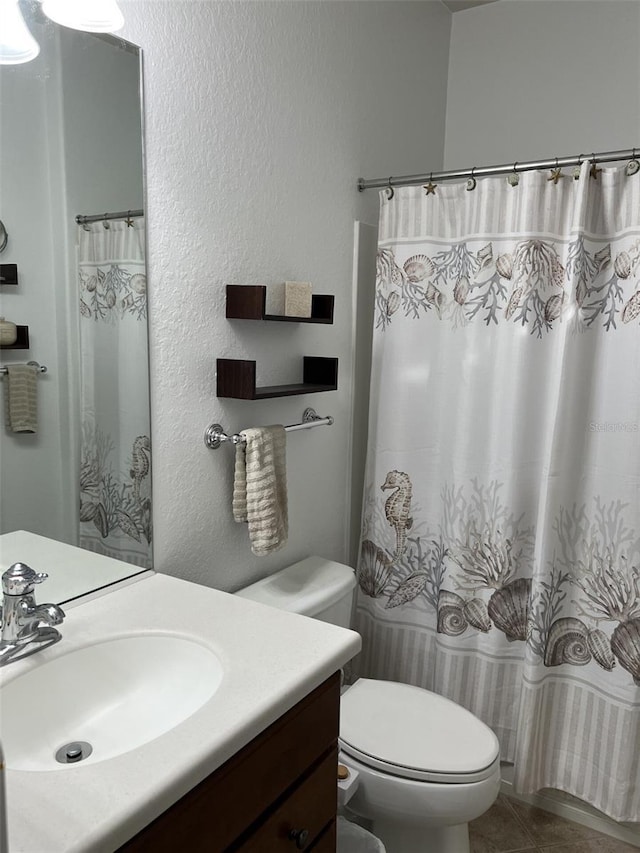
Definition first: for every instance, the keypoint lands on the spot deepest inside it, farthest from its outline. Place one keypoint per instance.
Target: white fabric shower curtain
(500, 552)
(115, 481)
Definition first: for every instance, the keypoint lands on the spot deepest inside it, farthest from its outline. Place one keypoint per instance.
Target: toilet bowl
(426, 765)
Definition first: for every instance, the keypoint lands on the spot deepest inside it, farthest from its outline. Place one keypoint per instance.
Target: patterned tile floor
(514, 827)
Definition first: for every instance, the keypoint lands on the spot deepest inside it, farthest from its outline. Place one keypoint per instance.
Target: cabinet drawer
(309, 809)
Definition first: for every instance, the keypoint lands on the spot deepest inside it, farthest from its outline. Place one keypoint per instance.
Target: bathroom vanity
(243, 759)
(276, 794)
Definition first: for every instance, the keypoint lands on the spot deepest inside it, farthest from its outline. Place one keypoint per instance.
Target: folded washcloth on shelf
(21, 397)
(260, 487)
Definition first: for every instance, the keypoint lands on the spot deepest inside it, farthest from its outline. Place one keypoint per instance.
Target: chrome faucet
(22, 631)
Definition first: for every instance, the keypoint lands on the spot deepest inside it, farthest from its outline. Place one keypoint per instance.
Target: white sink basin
(115, 695)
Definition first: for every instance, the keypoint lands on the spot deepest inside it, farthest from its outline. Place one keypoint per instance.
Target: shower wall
(531, 80)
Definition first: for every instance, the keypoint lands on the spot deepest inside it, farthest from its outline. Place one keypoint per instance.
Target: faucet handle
(20, 579)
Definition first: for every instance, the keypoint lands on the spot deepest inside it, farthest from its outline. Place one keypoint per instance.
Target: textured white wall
(531, 79)
(259, 119)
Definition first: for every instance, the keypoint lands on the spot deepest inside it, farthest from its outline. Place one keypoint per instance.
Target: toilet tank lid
(307, 587)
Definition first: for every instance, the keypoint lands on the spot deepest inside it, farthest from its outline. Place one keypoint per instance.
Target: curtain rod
(105, 217)
(506, 169)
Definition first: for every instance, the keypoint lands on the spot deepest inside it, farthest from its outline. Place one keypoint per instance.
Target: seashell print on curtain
(500, 555)
(524, 283)
(115, 447)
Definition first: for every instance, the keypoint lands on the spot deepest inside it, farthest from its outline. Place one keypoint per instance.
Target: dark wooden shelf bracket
(236, 378)
(8, 273)
(22, 341)
(247, 302)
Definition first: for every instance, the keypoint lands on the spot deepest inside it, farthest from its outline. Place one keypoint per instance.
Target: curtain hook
(390, 190)
(594, 171)
(430, 187)
(514, 178)
(129, 220)
(471, 183)
(105, 222)
(633, 165)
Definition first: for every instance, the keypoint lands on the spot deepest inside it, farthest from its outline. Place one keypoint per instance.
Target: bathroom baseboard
(571, 808)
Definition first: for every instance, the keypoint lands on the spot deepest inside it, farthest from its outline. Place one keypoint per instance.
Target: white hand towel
(21, 400)
(260, 487)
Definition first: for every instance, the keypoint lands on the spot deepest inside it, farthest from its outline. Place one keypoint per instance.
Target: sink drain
(73, 752)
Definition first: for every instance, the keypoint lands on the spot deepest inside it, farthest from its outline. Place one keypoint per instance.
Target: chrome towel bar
(40, 367)
(214, 435)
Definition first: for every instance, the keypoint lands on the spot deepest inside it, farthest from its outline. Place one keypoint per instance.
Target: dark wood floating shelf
(22, 341)
(237, 379)
(8, 273)
(247, 302)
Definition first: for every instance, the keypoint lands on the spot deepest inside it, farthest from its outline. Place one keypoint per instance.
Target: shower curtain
(500, 553)
(115, 482)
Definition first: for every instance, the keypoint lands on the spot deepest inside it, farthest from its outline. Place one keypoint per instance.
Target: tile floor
(514, 827)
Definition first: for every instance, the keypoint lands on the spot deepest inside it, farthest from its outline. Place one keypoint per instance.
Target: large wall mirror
(77, 470)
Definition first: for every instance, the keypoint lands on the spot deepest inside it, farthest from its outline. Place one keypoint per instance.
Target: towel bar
(214, 435)
(40, 367)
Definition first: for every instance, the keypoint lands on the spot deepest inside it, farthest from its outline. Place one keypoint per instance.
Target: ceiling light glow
(92, 16)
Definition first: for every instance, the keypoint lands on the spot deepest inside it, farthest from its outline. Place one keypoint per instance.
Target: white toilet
(426, 765)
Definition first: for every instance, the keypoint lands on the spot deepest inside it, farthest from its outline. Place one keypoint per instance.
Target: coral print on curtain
(500, 556)
(115, 481)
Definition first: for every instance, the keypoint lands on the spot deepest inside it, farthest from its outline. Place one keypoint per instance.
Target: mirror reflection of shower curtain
(115, 476)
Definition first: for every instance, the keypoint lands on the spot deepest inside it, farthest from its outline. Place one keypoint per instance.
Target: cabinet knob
(300, 836)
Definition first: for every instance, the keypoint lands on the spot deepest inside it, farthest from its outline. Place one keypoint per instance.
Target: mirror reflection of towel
(21, 398)
(260, 487)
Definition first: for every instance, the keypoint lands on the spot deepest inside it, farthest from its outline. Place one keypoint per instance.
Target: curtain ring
(472, 183)
(390, 191)
(514, 178)
(105, 222)
(633, 166)
(577, 169)
(594, 171)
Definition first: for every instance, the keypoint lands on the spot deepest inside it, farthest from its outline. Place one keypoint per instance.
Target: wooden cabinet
(277, 795)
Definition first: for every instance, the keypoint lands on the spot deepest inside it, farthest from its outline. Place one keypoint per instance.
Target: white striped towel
(21, 399)
(260, 487)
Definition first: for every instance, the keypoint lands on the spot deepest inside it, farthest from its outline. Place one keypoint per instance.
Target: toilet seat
(413, 733)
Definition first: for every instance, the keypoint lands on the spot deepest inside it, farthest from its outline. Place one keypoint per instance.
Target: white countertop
(271, 660)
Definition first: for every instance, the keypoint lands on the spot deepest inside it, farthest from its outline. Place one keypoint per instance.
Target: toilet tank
(313, 587)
